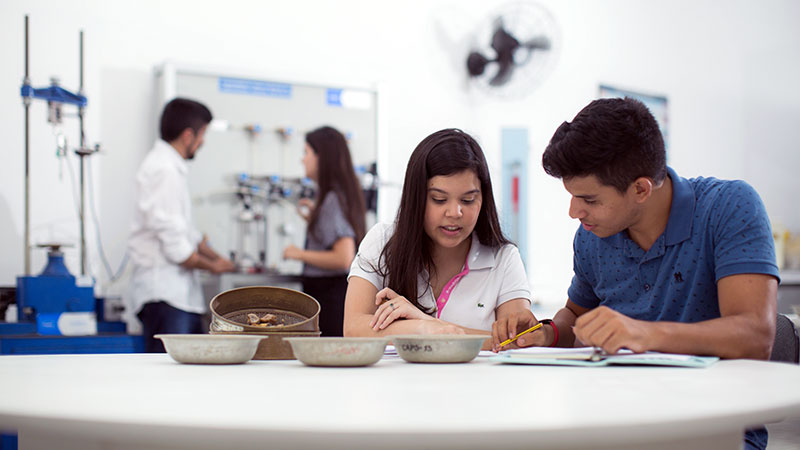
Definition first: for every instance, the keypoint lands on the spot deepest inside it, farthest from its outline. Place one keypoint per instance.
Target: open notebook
(593, 357)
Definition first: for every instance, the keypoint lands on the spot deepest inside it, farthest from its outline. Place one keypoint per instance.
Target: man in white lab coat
(165, 247)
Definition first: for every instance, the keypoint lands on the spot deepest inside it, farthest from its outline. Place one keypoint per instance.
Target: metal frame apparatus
(43, 300)
(56, 97)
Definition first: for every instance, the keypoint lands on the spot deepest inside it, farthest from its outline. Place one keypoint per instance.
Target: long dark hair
(408, 251)
(336, 174)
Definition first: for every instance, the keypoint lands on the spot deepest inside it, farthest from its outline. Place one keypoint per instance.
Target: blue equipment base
(19, 328)
(54, 345)
(8, 441)
(50, 294)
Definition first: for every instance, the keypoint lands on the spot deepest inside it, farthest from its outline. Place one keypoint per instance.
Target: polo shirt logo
(678, 277)
(480, 305)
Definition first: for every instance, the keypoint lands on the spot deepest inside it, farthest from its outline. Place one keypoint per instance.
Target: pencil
(533, 328)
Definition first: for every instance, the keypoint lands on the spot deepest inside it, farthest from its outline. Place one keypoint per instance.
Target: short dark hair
(180, 114)
(615, 139)
(408, 251)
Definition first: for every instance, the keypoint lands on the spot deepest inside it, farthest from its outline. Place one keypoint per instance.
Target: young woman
(444, 265)
(336, 225)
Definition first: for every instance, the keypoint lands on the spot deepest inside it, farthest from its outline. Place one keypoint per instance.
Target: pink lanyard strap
(448, 288)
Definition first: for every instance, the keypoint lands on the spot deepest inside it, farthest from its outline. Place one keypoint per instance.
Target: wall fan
(513, 50)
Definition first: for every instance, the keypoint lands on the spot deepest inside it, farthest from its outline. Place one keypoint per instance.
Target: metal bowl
(439, 348)
(210, 349)
(338, 351)
(295, 310)
(273, 344)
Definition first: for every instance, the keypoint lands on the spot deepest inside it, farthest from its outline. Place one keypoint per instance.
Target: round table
(136, 401)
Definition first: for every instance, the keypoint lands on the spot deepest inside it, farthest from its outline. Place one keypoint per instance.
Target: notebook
(594, 357)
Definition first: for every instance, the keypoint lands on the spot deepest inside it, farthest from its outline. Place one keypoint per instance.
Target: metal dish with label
(439, 348)
(210, 349)
(337, 351)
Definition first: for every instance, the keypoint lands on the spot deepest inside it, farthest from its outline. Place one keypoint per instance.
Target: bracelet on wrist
(555, 330)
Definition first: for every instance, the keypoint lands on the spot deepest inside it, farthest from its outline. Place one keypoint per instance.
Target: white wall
(729, 70)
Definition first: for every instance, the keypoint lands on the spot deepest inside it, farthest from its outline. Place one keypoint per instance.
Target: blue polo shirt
(716, 228)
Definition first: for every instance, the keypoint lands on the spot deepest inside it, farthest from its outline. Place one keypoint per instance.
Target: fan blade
(506, 67)
(538, 43)
(476, 64)
(503, 42)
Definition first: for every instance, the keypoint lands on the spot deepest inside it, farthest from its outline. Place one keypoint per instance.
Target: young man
(661, 263)
(165, 247)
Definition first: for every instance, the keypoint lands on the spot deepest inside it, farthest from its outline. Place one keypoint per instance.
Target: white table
(140, 401)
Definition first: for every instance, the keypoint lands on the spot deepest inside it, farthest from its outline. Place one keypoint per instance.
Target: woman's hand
(507, 327)
(391, 307)
(304, 208)
(292, 252)
(437, 326)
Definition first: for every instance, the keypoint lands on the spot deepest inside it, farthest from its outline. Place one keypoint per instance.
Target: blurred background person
(164, 290)
(336, 225)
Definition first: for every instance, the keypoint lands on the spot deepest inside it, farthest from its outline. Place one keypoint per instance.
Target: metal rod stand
(26, 101)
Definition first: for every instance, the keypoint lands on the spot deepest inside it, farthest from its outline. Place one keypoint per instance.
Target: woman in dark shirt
(336, 225)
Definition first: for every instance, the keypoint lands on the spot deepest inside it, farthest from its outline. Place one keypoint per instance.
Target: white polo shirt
(496, 275)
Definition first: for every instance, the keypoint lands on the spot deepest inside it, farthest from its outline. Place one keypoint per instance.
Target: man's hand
(610, 330)
(222, 265)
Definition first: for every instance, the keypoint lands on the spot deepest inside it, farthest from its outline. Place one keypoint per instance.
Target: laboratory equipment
(53, 291)
(251, 226)
(56, 311)
(56, 97)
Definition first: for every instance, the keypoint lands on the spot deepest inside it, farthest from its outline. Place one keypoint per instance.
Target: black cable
(75, 196)
(112, 276)
(76, 200)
